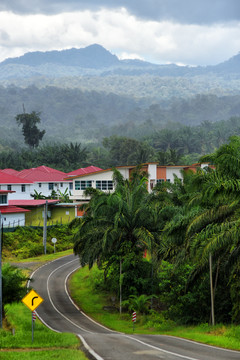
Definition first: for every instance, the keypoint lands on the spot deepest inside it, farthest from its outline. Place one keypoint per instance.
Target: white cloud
(121, 33)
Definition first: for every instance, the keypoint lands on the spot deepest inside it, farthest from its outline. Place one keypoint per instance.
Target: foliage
(13, 282)
(125, 228)
(32, 135)
(64, 157)
(27, 242)
(127, 151)
(140, 304)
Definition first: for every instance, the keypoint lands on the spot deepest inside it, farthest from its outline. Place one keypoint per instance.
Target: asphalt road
(60, 314)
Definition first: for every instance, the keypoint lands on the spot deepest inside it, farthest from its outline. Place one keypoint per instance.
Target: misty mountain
(87, 94)
(96, 60)
(93, 56)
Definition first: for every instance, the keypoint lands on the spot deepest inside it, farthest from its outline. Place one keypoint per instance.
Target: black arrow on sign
(35, 297)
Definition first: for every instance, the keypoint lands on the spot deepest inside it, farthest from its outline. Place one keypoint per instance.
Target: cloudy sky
(193, 32)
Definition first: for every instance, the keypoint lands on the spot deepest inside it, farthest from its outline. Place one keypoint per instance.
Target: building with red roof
(82, 171)
(11, 215)
(103, 179)
(45, 180)
(21, 188)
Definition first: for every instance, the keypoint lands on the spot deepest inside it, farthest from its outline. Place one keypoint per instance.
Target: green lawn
(43, 355)
(47, 344)
(92, 302)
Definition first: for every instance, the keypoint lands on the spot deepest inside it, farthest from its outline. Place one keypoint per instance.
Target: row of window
(9, 187)
(100, 184)
(50, 186)
(162, 180)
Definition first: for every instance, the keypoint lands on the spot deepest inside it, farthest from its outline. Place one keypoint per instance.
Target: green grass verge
(48, 344)
(42, 258)
(43, 355)
(92, 302)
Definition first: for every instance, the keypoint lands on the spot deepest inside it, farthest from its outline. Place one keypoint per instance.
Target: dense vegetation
(180, 145)
(27, 242)
(74, 115)
(190, 230)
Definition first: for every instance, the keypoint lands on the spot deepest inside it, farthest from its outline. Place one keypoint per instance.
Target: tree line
(176, 146)
(81, 115)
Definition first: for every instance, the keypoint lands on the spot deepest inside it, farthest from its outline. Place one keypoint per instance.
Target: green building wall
(58, 215)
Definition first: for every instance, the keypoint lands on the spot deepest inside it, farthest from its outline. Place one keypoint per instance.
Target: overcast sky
(190, 32)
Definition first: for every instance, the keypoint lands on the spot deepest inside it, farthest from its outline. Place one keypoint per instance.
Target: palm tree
(116, 225)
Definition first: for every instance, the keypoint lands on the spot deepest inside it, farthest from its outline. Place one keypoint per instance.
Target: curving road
(60, 314)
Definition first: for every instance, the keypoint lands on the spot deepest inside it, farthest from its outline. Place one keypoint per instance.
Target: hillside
(87, 94)
(95, 68)
(88, 116)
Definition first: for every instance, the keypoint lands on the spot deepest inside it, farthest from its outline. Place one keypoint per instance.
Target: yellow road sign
(32, 300)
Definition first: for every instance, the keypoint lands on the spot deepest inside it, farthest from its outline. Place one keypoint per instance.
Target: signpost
(54, 240)
(34, 316)
(32, 300)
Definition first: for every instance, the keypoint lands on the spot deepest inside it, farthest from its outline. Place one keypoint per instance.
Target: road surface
(60, 314)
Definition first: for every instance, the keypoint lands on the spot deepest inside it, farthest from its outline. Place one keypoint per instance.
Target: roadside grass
(40, 258)
(93, 302)
(43, 355)
(47, 344)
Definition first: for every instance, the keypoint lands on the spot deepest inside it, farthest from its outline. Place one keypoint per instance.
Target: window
(104, 184)
(50, 186)
(83, 184)
(70, 186)
(3, 199)
(61, 184)
(39, 184)
(23, 187)
(162, 180)
(9, 187)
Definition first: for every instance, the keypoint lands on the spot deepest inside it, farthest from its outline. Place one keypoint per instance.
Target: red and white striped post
(134, 316)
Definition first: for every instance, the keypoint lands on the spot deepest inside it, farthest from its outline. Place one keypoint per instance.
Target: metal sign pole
(45, 228)
(32, 327)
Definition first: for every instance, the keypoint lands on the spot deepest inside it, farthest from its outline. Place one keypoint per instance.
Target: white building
(11, 216)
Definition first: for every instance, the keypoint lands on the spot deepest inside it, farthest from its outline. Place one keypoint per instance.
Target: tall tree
(32, 135)
(116, 229)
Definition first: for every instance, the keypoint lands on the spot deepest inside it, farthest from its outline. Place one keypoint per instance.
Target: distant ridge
(95, 60)
(93, 56)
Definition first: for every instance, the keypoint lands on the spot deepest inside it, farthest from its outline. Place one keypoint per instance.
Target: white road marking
(95, 322)
(159, 349)
(48, 291)
(97, 357)
(89, 349)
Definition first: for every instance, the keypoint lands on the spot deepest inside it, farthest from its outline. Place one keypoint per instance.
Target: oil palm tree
(116, 225)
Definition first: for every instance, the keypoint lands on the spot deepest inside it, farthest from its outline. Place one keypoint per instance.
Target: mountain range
(88, 94)
(96, 60)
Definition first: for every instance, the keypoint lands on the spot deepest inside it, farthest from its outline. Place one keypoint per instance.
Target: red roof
(10, 172)
(82, 171)
(12, 209)
(42, 174)
(31, 202)
(6, 191)
(12, 179)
